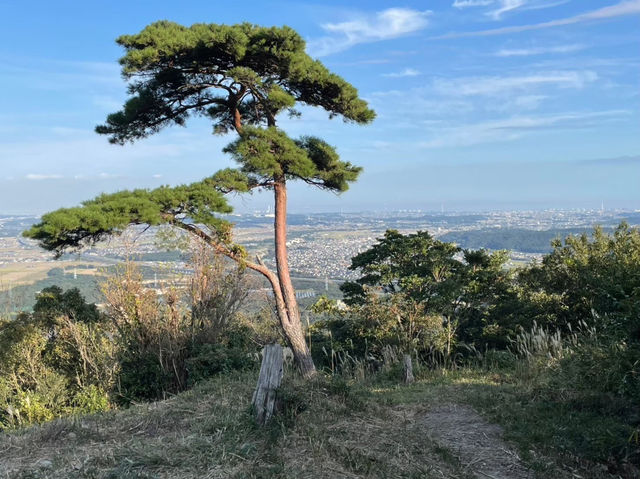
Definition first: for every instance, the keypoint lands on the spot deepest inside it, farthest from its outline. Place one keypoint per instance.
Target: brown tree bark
(291, 323)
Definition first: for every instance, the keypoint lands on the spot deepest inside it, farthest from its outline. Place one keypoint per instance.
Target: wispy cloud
(496, 85)
(514, 128)
(525, 52)
(506, 6)
(472, 3)
(576, 120)
(500, 7)
(107, 176)
(519, 103)
(40, 176)
(384, 25)
(79, 177)
(407, 72)
(628, 7)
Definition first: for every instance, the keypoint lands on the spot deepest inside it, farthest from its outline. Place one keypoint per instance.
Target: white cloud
(529, 102)
(628, 7)
(472, 3)
(518, 103)
(40, 176)
(524, 52)
(506, 6)
(384, 25)
(500, 7)
(488, 86)
(99, 176)
(565, 120)
(513, 128)
(407, 72)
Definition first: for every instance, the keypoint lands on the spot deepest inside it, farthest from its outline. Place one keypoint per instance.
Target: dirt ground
(477, 444)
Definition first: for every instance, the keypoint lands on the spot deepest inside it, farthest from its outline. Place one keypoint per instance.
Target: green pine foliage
(179, 71)
(108, 214)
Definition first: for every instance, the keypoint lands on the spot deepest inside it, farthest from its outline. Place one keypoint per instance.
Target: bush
(171, 340)
(608, 367)
(142, 378)
(206, 360)
(51, 366)
(593, 279)
(91, 399)
(498, 359)
(363, 331)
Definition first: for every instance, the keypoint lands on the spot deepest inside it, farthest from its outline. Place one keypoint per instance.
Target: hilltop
(441, 426)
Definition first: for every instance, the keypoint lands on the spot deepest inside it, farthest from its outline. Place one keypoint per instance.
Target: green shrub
(363, 331)
(207, 360)
(142, 378)
(609, 367)
(91, 399)
(499, 359)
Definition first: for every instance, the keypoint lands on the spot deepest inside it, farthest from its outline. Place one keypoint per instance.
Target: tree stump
(408, 369)
(271, 370)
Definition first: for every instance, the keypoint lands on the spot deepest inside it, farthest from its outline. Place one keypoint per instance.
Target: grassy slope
(329, 429)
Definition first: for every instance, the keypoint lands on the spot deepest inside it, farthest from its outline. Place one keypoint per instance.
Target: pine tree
(241, 77)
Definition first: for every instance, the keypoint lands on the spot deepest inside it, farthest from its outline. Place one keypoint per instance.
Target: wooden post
(408, 369)
(271, 370)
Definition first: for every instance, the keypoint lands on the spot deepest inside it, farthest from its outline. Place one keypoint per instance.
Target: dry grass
(208, 433)
(330, 428)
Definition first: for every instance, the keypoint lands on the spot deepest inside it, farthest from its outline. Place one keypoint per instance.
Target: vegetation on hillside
(550, 351)
(67, 357)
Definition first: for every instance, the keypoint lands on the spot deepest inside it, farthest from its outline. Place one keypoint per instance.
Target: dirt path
(477, 444)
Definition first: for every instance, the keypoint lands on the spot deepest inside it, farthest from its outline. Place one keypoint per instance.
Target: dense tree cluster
(428, 296)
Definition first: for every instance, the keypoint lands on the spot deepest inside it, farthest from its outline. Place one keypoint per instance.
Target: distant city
(322, 244)
(320, 247)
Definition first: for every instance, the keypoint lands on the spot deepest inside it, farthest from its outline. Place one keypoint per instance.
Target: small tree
(241, 77)
(469, 288)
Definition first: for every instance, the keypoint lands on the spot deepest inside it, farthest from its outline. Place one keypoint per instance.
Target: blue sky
(482, 104)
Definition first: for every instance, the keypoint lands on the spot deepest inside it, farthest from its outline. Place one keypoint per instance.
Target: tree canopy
(236, 75)
(416, 264)
(470, 288)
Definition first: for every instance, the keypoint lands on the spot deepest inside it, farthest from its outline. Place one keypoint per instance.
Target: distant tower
(75, 273)
(155, 280)
(326, 283)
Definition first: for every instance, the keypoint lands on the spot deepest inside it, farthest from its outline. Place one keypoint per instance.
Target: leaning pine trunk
(290, 315)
